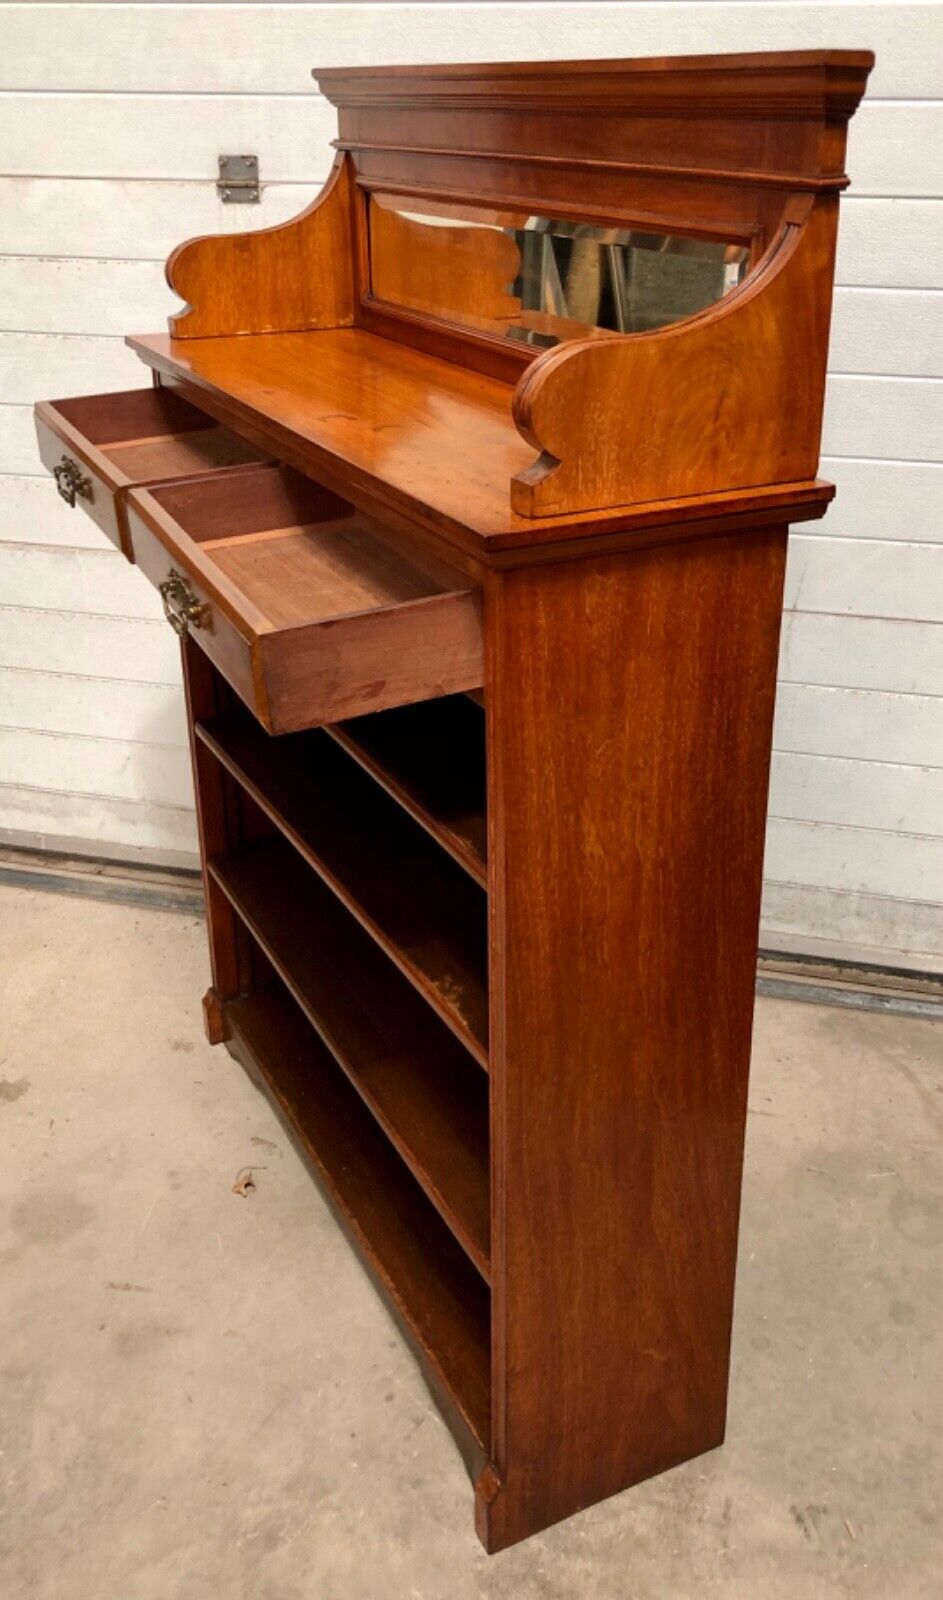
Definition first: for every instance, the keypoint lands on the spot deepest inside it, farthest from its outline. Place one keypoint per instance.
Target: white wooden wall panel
(54, 364)
(92, 706)
(28, 516)
(884, 500)
(90, 644)
(862, 724)
(873, 330)
(884, 418)
(857, 652)
(892, 149)
(57, 295)
(127, 220)
(897, 331)
(883, 242)
(17, 439)
(111, 119)
(270, 49)
(871, 578)
(841, 923)
(128, 770)
(98, 581)
(866, 860)
(97, 824)
(866, 794)
(171, 135)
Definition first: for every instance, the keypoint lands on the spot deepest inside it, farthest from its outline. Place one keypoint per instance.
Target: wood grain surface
(295, 275)
(418, 438)
(627, 795)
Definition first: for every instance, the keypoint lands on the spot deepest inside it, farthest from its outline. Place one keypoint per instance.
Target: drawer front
(81, 476)
(191, 610)
(349, 666)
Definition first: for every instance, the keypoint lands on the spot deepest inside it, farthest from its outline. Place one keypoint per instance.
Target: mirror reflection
(537, 280)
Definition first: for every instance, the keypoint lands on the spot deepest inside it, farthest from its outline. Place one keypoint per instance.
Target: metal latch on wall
(238, 181)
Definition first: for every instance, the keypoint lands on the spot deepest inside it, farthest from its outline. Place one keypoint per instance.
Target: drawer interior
(152, 433)
(294, 551)
(310, 611)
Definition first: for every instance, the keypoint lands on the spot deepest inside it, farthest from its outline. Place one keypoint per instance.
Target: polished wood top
(407, 431)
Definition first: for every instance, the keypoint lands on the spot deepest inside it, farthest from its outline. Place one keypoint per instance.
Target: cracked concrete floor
(201, 1397)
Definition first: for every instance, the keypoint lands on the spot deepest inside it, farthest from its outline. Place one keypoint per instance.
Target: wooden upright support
(630, 710)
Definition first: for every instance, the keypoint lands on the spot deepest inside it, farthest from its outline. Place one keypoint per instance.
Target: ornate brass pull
(71, 481)
(182, 608)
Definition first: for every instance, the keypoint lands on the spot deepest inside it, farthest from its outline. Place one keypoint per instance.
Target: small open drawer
(304, 607)
(99, 445)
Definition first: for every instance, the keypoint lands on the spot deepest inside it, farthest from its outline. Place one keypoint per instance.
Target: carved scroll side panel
(729, 399)
(284, 279)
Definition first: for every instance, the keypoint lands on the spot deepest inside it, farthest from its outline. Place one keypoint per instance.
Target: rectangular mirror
(536, 280)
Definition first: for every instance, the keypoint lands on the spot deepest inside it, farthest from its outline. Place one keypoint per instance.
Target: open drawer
(299, 601)
(99, 445)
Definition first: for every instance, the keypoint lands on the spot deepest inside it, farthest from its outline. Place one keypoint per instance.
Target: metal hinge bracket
(238, 181)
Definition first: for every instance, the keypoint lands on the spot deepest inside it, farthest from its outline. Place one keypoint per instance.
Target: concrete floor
(201, 1397)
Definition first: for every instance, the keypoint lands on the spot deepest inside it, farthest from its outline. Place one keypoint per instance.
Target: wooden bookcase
(468, 492)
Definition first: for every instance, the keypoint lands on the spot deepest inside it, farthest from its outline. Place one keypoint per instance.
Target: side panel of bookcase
(215, 822)
(630, 703)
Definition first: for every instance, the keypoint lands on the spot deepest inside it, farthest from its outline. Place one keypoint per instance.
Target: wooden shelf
(424, 1089)
(427, 1280)
(340, 390)
(431, 758)
(414, 434)
(417, 903)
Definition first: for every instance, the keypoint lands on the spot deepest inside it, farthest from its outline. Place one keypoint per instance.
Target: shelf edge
(471, 1445)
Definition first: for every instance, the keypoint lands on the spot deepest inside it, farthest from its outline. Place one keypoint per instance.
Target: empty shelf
(431, 757)
(440, 1300)
(423, 1087)
(414, 900)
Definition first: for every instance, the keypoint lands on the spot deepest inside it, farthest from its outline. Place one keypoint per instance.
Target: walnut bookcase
(468, 491)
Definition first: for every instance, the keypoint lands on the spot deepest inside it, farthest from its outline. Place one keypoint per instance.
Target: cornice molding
(791, 86)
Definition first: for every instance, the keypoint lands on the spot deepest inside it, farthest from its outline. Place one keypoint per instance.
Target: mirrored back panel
(536, 280)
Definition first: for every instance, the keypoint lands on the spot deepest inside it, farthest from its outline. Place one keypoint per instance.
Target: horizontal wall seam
(834, 892)
(857, 827)
(314, 96)
(69, 611)
(311, 96)
(305, 183)
(837, 755)
(893, 833)
(94, 794)
(865, 616)
(86, 677)
(795, 883)
(804, 532)
(90, 738)
(862, 688)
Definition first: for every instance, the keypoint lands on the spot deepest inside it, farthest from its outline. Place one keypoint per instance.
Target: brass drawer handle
(182, 608)
(71, 481)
